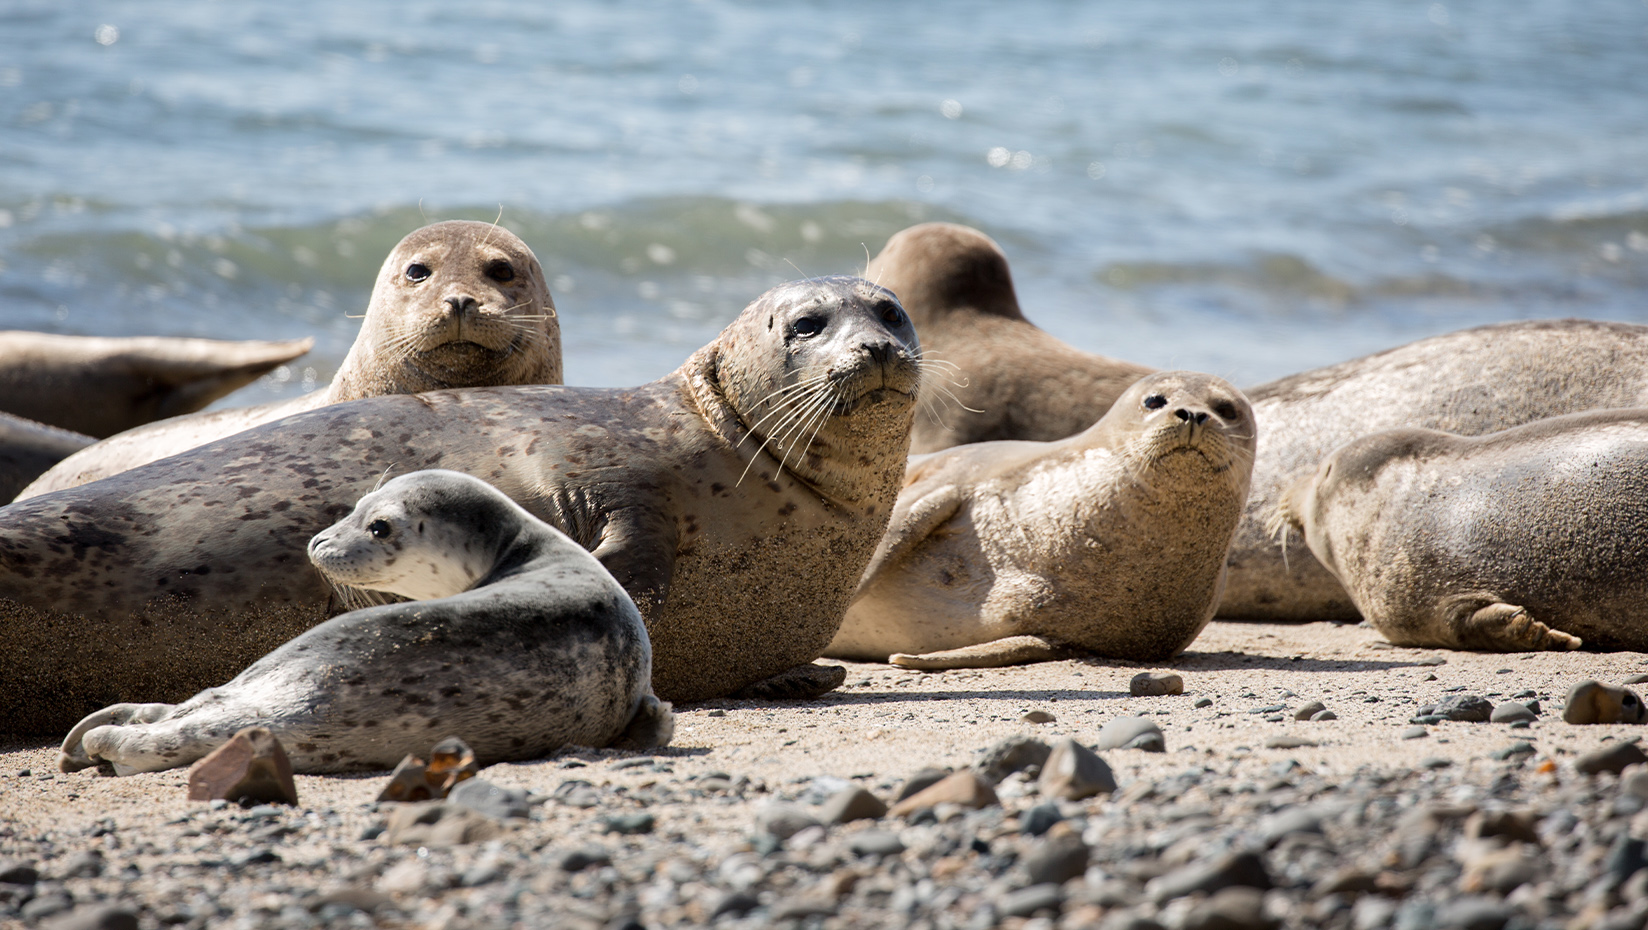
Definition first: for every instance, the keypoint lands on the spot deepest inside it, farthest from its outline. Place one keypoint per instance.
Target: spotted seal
(990, 372)
(737, 500)
(456, 304)
(1111, 542)
(516, 639)
(1519, 540)
(100, 386)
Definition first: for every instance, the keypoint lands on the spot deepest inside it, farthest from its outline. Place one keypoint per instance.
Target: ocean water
(1249, 188)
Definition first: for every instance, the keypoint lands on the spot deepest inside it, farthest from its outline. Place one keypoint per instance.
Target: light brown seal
(1470, 382)
(1519, 540)
(991, 374)
(1111, 542)
(100, 386)
(456, 304)
(516, 639)
(28, 448)
(737, 500)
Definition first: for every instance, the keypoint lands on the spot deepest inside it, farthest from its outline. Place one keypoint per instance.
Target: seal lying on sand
(528, 646)
(1470, 382)
(991, 374)
(28, 448)
(456, 304)
(1525, 539)
(1110, 543)
(737, 500)
(101, 386)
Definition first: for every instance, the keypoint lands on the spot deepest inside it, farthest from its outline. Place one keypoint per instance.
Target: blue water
(1249, 188)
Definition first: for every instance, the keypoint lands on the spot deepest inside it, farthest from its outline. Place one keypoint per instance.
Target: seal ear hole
(1155, 402)
(417, 272)
(1225, 409)
(380, 529)
(500, 271)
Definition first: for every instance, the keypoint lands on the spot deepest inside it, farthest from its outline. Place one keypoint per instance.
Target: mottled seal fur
(1525, 539)
(1111, 542)
(737, 500)
(991, 373)
(28, 448)
(516, 639)
(1470, 382)
(456, 304)
(100, 386)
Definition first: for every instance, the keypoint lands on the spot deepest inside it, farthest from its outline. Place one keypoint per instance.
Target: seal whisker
(791, 412)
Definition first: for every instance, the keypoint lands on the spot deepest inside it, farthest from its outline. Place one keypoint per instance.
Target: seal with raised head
(456, 304)
(100, 385)
(737, 500)
(1524, 539)
(990, 373)
(1470, 382)
(517, 639)
(1110, 543)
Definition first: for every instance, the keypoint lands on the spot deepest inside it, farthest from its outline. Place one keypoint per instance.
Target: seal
(100, 386)
(1519, 540)
(737, 500)
(989, 372)
(1470, 382)
(1109, 543)
(516, 638)
(456, 304)
(28, 448)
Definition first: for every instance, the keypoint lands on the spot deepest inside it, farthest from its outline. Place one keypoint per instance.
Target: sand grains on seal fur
(516, 639)
(1524, 539)
(1111, 542)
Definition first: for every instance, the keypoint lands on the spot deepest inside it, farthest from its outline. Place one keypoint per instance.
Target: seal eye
(1155, 402)
(380, 529)
(1225, 409)
(808, 326)
(500, 271)
(891, 314)
(417, 272)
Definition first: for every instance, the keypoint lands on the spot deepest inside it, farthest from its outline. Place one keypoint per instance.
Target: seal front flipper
(1009, 650)
(638, 546)
(1501, 627)
(652, 727)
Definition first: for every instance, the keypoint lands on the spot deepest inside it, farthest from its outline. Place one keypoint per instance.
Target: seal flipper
(652, 727)
(74, 756)
(1501, 627)
(802, 683)
(1009, 650)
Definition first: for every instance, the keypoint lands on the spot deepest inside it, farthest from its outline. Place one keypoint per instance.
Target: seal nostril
(1201, 418)
(1182, 414)
(461, 304)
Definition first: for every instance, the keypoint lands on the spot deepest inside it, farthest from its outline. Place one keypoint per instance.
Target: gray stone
(1073, 772)
(437, 823)
(1236, 908)
(783, 820)
(1511, 712)
(1467, 708)
(1245, 868)
(1291, 820)
(1129, 920)
(1309, 709)
(577, 793)
(1633, 782)
(1026, 902)
(1039, 819)
(1056, 859)
(576, 860)
(852, 803)
(95, 917)
(1132, 733)
(1203, 702)
(1472, 913)
(1612, 757)
(875, 843)
(1514, 750)
(1155, 684)
(736, 903)
(920, 781)
(1013, 754)
(1038, 716)
(1324, 715)
(85, 864)
(1286, 741)
(46, 904)
(485, 798)
(18, 873)
(1415, 733)
(632, 823)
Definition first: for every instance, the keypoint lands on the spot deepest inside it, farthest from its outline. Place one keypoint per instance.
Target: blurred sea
(1249, 188)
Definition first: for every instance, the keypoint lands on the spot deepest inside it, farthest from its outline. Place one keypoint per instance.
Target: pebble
(1512, 712)
(1013, 754)
(1203, 702)
(1132, 733)
(1058, 858)
(1637, 679)
(1235, 908)
(1293, 820)
(1073, 772)
(1039, 819)
(18, 873)
(576, 860)
(630, 824)
(95, 917)
(921, 780)
(1287, 742)
(1027, 902)
(1155, 684)
(1244, 868)
(1593, 702)
(736, 903)
(1038, 716)
(487, 799)
(1309, 709)
(1515, 749)
(1415, 733)
(1611, 757)
(252, 765)
(852, 803)
(964, 788)
(436, 823)
(577, 793)
(875, 843)
(1467, 708)
(1324, 715)
(783, 820)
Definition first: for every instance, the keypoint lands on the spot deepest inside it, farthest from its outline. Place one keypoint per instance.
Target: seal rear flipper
(74, 756)
(652, 727)
(1501, 627)
(1010, 650)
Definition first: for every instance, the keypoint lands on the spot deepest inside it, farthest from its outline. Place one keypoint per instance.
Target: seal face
(456, 304)
(527, 645)
(737, 500)
(1469, 383)
(989, 373)
(1524, 539)
(1111, 542)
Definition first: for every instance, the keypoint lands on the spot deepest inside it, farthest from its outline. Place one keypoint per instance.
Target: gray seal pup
(1109, 543)
(1520, 540)
(516, 639)
(456, 304)
(1470, 382)
(989, 372)
(28, 448)
(100, 386)
(737, 500)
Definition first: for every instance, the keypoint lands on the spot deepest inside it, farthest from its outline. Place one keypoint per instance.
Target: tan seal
(1110, 543)
(1519, 540)
(456, 304)
(1470, 382)
(100, 386)
(516, 638)
(737, 500)
(991, 374)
